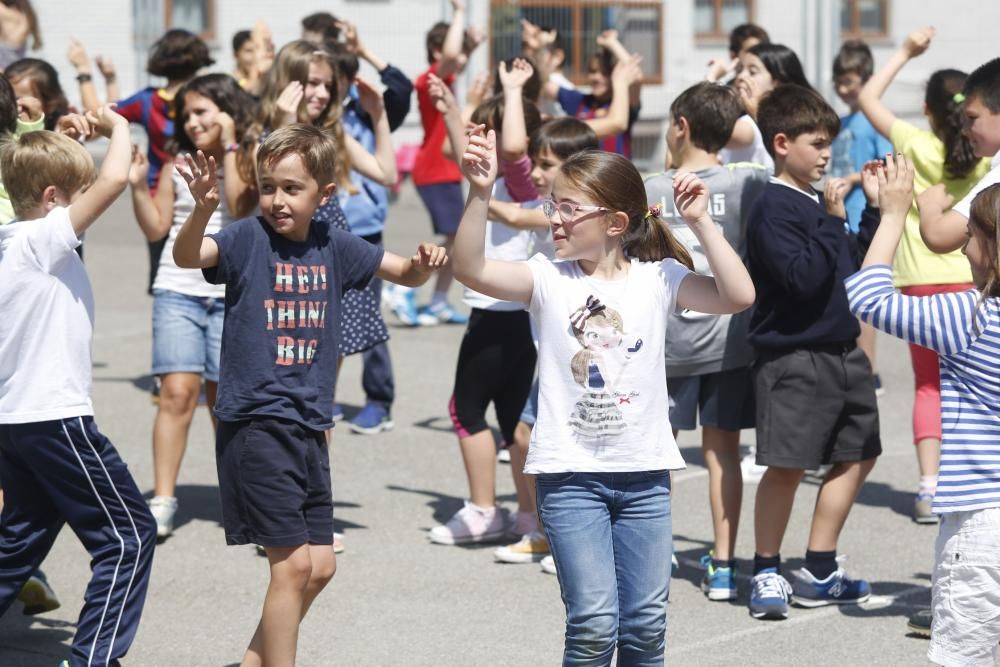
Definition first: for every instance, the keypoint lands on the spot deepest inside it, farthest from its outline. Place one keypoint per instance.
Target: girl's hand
(78, 57)
(200, 175)
(869, 182)
(29, 109)
(719, 68)
(833, 197)
(918, 41)
(895, 187)
(519, 74)
(627, 72)
(138, 170)
(691, 197)
(74, 126)
(440, 94)
(350, 34)
(227, 128)
(479, 162)
(369, 98)
(288, 103)
(429, 257)
(934, 200)
(478, 90)
(106, 66)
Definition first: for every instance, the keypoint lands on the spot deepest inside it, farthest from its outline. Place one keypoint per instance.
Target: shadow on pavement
(33, 641)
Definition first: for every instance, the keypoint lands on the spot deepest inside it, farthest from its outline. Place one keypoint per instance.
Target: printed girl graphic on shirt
(601, 332)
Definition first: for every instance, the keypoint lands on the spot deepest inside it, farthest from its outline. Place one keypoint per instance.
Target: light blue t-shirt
(857, 143)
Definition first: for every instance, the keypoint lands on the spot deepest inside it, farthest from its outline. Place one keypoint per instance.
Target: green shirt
(6, 209)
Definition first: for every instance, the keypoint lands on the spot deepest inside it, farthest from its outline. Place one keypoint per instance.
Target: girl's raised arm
(870, 99)
(509, 281)
(380, 166)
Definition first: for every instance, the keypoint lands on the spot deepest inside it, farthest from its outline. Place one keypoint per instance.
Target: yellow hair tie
(958, 98)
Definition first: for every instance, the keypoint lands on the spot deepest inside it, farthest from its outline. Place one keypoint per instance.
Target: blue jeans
(611, 539)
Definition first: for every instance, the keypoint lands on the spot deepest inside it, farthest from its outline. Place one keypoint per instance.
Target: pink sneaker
(470, 525)
(522, 523)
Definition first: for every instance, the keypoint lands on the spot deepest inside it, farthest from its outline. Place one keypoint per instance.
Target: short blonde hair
(35, 160)
(316, 147)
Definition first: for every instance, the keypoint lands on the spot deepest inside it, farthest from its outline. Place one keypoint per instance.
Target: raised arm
(445, 103)
(106, 66)
(192, 249)
(380, 166)
(113, 177)
(451, 51)
(509, 281)
(514, 135)
(80, 61)
(627, 72)
(729, 289)
(870, 99)
(155, 216)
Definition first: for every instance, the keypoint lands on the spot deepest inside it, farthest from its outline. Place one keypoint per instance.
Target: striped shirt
(970, 384)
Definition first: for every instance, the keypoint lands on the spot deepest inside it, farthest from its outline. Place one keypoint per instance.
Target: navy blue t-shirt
(279, 340)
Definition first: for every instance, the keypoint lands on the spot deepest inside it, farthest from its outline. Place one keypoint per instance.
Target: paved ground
(397, 599)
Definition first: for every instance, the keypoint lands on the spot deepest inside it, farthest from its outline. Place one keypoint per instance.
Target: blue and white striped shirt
(970, 382)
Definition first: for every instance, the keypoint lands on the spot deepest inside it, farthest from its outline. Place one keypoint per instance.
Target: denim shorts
(187, 333)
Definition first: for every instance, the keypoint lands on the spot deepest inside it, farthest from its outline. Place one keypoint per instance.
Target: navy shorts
(724, 400)
(274, 479)
(445, 204)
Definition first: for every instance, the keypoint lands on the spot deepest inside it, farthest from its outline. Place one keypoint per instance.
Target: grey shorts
(815, 406)
(724, 400)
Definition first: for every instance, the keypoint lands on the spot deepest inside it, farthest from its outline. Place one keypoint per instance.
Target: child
(36, 78)
(438, 180)
(963, 329)
(741, 38)
(78, 58)
(544, 46)
(18, 21)
(187, 311)
(57, 467)
(496, 360)
(942, 154)
(601, 449)
(761, 69)
(708, 359)
(815, 399)
(857, 143)
(285, 276)
(320, 27)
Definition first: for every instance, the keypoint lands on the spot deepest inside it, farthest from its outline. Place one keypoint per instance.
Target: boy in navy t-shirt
(285, 276)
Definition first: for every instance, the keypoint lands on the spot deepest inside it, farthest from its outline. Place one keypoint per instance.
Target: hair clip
(958, 98)
(653, 211)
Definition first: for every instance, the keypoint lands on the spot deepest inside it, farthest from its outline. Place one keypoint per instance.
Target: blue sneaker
(769, 595)
(338, 412)
(719, 583)
(442, 313)
(405, 308)
(838, 588)
(372, 419)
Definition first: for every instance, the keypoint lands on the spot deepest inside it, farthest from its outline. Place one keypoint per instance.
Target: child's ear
(682, 126)
(50, 198)
(327, 191)
(781, 142)
(617, 224)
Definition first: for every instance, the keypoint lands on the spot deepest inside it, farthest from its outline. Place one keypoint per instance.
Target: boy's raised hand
(369, 98)
(440, 94)
(105, 119)
(834, 192)
(690, 197)
(202, 179)
(517, 75)
(918, 41)
(74, 126)
(895, 187)
(138, 170)
(869, 181)
(479, 162)
(429, 257)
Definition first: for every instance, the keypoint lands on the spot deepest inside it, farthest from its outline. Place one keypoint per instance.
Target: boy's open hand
(74, 126)
(934, 200)
(918, 41)
(517, 75)
(200, 174)
(895, 186)
(479, 162)
(690, 197)
(833, 197)
(440, 94)
(138, 170)
(289, 101)
(429, 257)
(104, 120)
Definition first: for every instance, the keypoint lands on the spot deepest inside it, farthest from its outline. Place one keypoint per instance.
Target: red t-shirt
(431, 166)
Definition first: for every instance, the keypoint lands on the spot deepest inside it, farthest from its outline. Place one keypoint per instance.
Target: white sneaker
(532, 548)
(163, 509)
(522, 524)
(471, 525)
(548, 565)
(503, 456)
(751, 471)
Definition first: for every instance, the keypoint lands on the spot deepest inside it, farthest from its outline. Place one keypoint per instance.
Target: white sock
(928, 485)
(439, 299)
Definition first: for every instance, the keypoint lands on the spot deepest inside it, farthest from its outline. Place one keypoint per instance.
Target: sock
(765, 562)
(928, 485)
(724, 564)
(439, 299)
(821, 563)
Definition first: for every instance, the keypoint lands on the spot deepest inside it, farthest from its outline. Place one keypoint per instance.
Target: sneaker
(838, 588)
(338, 413)
(37, 596)
(338, 543)
(922, 509)
(163, 508)
(751, 471)
(877, 383)
(532, 548)
(522, 523)
(372, 419)
(503, 456)
(920, 623)
(719, 583)
(442, 313)
(769, 595)
(674, 564)
(404, 307)
(471, 525)
(548, 565)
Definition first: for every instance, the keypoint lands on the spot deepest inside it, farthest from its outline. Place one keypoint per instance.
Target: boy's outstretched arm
(192, 249)
(509, 281)
(413, 271)
(113, 177)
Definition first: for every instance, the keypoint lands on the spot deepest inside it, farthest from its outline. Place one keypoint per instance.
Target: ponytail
(650, 240)
(944, 104)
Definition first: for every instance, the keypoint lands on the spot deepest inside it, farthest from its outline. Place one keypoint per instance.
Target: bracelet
(232, 148)
(84, 78)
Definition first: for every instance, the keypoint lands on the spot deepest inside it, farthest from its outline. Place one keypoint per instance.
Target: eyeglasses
(567, 209)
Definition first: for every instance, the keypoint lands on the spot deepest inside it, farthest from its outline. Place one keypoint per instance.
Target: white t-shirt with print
(47, 323)
(964, 206)
(602, 404)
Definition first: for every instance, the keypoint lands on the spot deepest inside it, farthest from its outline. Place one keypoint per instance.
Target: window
(864, 18)
(579, 22)
(198, 16)
(715, 18)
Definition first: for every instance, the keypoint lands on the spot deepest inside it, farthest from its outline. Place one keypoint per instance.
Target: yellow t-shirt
(916, 264)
